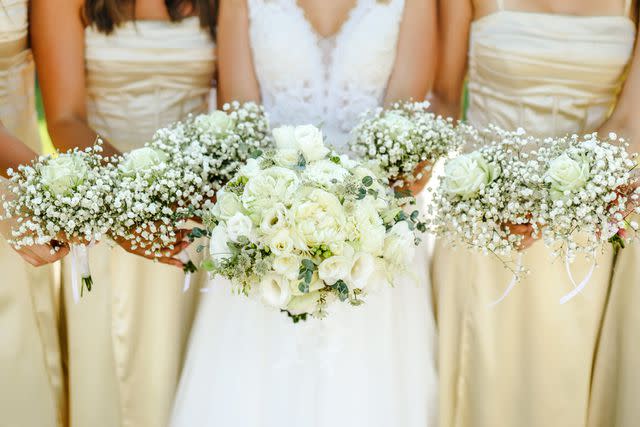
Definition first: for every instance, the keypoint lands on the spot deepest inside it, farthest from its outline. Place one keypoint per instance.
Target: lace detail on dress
(328, 81)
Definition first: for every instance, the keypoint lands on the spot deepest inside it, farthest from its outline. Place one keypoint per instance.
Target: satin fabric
(529, 360)
(31, 374)
(127, 336)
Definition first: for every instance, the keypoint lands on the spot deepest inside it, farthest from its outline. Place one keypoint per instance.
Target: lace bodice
(328, 81)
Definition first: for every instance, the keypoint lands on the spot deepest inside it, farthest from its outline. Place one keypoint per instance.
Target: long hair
(106, 15)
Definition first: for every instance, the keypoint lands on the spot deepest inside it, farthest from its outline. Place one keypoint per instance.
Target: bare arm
(12, 151)
(624, 120)
(237, 79)
(415, 66)
(455, 17)
(57, 37)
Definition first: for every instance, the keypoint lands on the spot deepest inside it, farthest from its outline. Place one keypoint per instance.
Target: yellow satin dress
(127, 336)
(31, 375)
(528, 361)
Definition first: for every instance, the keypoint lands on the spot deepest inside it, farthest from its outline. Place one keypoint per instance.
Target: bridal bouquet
(302, 227)
(403, 137)
(62, 198)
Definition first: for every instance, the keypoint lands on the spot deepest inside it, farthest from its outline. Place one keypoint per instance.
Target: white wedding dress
(373, 365)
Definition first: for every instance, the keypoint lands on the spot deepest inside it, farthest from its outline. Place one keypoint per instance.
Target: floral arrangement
(62, 198)
(301, 227)
(576, 192)
(403, 138)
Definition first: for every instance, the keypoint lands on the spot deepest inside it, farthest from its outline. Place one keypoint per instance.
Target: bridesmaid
(30, 359)
(552, 68)
(122, 69)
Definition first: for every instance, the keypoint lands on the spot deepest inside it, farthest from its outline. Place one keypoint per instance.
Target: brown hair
(106, 15)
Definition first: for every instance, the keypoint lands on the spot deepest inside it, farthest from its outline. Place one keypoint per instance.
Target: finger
(521, 229)
(171, 261)
(30, 258)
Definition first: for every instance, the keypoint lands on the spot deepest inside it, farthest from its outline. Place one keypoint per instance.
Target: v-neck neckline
(340, 28)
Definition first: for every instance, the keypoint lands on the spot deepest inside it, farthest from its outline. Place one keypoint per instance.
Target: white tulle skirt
(373, 365)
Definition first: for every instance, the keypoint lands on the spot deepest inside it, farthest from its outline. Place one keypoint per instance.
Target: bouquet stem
(80, 269)
(189, 268)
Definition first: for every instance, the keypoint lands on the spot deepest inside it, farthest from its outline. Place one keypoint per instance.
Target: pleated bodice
(550, 74)
(17, 97)
(145, 75)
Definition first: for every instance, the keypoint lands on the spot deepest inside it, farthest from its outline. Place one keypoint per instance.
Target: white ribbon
(577, 288)
(79, 268)
(512, 284)
(184, 258)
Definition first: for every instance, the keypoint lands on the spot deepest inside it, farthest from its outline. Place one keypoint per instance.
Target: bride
(321, 62)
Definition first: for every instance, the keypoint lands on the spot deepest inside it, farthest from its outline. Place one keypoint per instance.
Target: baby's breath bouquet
(301, 227)
(403, 138)
(591, 193)
(65, 198)
(176, 175)
(483, 191)
(576, 192)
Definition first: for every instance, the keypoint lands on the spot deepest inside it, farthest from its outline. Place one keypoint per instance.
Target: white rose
(396, 123)
(372, 239)
(269, 187)
(285, 138)
(239, 225)
(63, 173)
(305, 303)
(318, 219)
(142, 160)
(399, 246)
(325, 172)
(218, 122)
(273, 219)
(218, 244)
(567, 175)
(335, 268)
(310, 142)
(315, 285)
(227, 205)
(274, 290)
(362, 268)
(286, 157)
(467, 174)
(287, 266)
(281, 243)
(370, 230)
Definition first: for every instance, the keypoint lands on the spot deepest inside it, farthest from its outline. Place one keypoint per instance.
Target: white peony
(269, 187)
(227, 205)
(305, 303)
(286, 157)
(287, 266)
(335, 268)
(325, 172)
(310, 142)
(567, 175)
(285, 138)
(369, 228)
(275, 291)
(239, 225)
(217, 122)
(281, 243)
(362, 268)
(467, 174)
(318, 219)
(63, 173)
(218, 244)
(142, 160)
